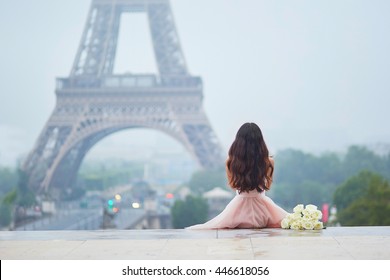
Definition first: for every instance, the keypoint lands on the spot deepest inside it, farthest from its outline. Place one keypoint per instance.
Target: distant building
(217, 200)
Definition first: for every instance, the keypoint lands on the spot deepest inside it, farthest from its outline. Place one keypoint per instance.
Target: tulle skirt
(247, 210)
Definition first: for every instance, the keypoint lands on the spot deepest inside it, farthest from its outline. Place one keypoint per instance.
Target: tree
(8, 180)
(302, 177)
(295, 167)
(290, 166)
(6, 208)
(193, 210)
(5, 215)
(307, 192)
(360, 158)
(363, 199)
(354, 188)
(25, 197)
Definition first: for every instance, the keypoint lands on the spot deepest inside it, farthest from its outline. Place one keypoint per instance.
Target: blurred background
(313, 75)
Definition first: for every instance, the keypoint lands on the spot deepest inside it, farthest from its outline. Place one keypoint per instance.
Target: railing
(128, 81)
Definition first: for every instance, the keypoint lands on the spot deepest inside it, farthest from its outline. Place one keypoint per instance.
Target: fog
(313, 74)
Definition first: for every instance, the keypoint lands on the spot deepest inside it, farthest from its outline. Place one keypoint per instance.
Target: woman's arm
(270, 172)
(228, 174)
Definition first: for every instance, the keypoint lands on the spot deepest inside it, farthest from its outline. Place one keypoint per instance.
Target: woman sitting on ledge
(249, 171)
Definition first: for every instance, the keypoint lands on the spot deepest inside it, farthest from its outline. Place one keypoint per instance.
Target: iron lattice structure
(93, 102)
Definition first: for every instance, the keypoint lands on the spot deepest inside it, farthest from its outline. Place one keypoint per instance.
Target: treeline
(363, 200)
(18, 195)
(302, 177)
(8, 180)
(306, 178)
(356, 182)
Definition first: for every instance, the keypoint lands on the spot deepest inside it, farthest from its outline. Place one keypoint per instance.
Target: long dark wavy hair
(248, 163)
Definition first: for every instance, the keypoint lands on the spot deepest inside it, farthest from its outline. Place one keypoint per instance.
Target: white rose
(296, 225)
(308, 218)
(316, 215)
(306, 213)
(318, 225)
(296, 216)
(308, 224)
(289, 216)
(311, 207)
(293, 217)
(285, 223)
(319, 214)
(298, 209)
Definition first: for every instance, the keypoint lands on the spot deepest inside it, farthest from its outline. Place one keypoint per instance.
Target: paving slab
(333, 243)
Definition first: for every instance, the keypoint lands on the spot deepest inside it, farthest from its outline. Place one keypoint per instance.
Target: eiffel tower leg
(205, 143)
(96, 53)
(43, 155)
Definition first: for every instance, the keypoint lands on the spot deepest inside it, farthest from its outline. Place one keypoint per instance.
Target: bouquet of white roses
(303, 218)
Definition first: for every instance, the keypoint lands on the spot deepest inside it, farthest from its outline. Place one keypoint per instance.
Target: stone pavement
(333, 243)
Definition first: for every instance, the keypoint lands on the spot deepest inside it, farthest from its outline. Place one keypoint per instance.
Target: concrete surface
(333, 243)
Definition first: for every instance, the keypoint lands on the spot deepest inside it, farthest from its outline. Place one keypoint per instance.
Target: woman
(249, 171)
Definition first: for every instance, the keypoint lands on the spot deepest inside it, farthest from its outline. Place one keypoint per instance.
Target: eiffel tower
(93, 102)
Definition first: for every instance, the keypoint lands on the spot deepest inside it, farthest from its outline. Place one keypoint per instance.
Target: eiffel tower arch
(93, 102)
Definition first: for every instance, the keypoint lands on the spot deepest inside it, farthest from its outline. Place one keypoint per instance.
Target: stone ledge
(272, 244)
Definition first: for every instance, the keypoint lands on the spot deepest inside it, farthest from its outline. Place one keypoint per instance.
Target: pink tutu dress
(247, 210)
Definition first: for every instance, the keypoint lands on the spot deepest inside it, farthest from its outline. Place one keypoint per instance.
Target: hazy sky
(313, 74)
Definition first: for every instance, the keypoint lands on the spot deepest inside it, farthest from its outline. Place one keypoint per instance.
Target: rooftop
(333, 243)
